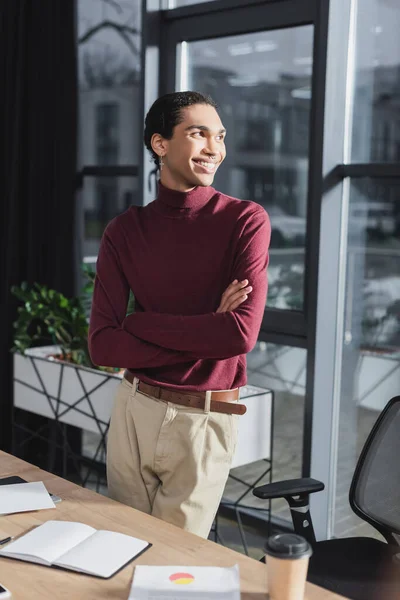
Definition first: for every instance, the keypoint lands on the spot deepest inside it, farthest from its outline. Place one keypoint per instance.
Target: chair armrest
(291, 487)
(296, 493)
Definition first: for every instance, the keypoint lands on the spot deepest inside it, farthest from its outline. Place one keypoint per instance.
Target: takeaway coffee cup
(287, 563)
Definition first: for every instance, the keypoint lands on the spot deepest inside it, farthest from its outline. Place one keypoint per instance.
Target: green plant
(87, 290)
(48, 316)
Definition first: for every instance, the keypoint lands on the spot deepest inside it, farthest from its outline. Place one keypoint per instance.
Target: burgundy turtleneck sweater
(178, 254)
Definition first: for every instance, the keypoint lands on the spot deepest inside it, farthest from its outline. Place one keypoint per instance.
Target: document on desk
(23, 497)
(185, 583)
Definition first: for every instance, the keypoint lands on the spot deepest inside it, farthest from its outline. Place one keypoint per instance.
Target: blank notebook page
(103, 553)
(50, 540)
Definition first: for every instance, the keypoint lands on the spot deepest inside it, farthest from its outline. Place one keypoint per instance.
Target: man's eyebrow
(203, 128)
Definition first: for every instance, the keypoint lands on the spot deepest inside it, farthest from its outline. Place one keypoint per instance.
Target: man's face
(196, 149)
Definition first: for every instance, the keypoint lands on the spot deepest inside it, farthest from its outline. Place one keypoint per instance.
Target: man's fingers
(234, 292)
(228, 300)
(243, 293)
(234, 305)
(234, 287)
(235, 301)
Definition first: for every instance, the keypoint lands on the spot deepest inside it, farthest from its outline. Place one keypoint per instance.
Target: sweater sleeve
(110, 343)
(218, 335)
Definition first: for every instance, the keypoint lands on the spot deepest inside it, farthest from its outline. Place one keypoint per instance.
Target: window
(370, 358)
(262, 85)
(110, 135)
(107, 128)
(103, 198)
(376, 131)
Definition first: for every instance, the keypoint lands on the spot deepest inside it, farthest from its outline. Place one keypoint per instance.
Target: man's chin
(205, 180)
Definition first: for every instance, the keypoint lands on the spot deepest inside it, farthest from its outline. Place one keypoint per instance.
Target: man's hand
(234, 295)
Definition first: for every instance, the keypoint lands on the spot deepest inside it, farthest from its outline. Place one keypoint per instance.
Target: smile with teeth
(208, 166)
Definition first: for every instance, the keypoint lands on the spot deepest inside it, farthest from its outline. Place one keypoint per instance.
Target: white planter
(83, 397)
(255, 427)
(72, 394)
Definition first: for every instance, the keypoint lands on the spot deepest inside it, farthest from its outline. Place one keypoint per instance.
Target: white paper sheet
(22, 497)
(185, 583)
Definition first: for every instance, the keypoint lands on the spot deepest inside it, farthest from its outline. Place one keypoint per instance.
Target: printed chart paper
(185, 583)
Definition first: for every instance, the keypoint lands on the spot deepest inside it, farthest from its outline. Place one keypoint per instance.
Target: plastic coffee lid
(288, 545)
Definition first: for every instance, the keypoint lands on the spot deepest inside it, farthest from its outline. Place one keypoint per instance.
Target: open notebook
(77, 547)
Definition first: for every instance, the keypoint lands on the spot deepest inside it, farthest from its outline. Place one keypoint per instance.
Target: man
(195, 260)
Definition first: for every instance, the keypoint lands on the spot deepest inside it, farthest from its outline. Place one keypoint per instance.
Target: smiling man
(195, 260)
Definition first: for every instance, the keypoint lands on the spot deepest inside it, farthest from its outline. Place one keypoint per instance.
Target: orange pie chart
(181, 578)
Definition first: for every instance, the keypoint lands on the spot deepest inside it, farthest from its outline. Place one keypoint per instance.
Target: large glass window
(107, 130)
(109, 100)
(371, 351)
(262, 84)
(374, 251)
(103, 199)
(370, 359)
(376, 132)
(109, 79)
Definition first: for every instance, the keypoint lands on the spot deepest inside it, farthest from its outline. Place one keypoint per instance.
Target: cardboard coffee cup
(287, 563)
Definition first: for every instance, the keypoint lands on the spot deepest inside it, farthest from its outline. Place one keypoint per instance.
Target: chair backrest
(375, 489)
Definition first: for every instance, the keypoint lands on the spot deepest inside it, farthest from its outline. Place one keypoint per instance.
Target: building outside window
(109, 38)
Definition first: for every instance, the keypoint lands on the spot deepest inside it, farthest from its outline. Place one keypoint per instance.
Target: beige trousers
(169, 460)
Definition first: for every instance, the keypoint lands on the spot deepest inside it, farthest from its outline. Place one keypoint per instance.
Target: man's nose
(211, 148)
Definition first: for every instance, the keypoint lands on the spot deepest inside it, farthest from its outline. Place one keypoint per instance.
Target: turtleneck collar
(182, 204)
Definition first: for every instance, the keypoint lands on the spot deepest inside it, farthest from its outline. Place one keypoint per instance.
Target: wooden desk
(171, 546)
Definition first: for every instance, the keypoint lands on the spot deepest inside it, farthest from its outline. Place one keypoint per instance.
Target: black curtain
(38, 128)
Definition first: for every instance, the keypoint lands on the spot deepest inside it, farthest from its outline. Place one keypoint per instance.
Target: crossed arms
(150, 339)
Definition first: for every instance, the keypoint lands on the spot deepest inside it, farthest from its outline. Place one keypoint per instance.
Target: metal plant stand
(66, 395)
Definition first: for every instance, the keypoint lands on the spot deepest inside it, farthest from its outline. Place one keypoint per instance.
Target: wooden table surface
(171, 546)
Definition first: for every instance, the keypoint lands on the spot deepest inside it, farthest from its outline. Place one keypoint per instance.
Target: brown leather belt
(222, 402)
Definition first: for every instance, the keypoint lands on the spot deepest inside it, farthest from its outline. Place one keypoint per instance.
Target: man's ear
(159, 144)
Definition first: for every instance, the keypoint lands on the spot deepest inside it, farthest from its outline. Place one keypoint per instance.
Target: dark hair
(166, 113)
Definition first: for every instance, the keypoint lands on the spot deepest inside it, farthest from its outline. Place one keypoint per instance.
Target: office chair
(360, 568)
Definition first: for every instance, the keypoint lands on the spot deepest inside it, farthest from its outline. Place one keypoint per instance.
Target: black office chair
(360, 568)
